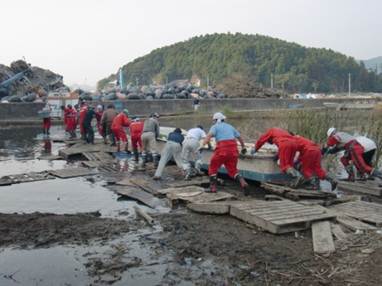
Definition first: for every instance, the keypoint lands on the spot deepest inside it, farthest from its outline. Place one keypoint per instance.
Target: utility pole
(349, 83)
(271, 80)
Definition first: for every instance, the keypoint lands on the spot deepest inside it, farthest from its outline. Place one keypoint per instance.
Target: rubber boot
(213, 184)
(350, 171)
(298, 179)
(243, 184)
(333, 182)
(118, 147)
(156, 160)
(144, 160)
(136, 155)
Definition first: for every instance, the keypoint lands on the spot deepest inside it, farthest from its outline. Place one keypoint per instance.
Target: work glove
(253, 151)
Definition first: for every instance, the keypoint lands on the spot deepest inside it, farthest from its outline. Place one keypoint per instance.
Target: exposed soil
(249, 256)
(43, 230)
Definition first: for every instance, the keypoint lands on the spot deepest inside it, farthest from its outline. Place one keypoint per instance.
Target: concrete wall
(28, 111)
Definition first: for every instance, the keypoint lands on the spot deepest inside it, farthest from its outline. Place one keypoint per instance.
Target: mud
(244, 255)
(45, 230)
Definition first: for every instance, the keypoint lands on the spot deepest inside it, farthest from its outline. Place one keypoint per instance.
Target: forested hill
(218, 56)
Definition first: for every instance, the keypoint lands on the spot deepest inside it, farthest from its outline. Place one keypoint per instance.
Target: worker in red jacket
(71, 121)
(83, 111)
(287, 151)
(136, 129)
(338, 141)
(310, 158)
(117, 127)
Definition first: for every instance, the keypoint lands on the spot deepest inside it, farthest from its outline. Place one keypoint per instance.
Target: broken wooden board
(125, 182)
(360, 187)
(25, 178)
(210, 208)
(297, 194)
(73, 172)
(79, 149)
(91, 164)
(353, 223)
(322, 237)
(145, 185)
(338, 232)
(98, 156)
(185, 189)
(198, 181)
(139, 195)
(364, 211)
(198, 195)
(279, 216)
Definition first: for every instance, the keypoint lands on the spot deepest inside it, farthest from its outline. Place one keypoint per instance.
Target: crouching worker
(119, 122)
(310, 160)
(190, 152)
(354, 152)
(287, 150)
(172, 149)
(225, 153)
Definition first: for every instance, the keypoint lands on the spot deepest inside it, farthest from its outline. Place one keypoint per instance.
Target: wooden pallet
(297, 194)
(72, 172)
(369, 188)
(363, 211)
(279, 216)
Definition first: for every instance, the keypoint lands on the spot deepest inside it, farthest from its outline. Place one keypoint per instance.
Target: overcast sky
(86, 40)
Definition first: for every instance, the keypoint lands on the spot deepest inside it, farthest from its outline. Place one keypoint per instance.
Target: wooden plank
(141, 196)
(199, 181)
(351, 187)
(79, 149)
(306, 218)
(338, 232)
(297, 193)
(72, 172)
(145, 185)
(353, 223)
(210, 208)
(125, 182)
(91, 164)
(322, 237)
(365, 211)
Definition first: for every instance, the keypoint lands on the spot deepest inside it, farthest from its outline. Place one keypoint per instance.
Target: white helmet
(331, 130)
(218, 116)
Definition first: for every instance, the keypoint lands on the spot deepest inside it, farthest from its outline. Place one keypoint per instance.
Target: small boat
(261, 167)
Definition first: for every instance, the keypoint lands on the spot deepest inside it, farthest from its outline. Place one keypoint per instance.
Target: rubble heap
(23, 82)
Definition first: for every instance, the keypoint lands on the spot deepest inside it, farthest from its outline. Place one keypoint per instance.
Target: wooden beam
(322, 237)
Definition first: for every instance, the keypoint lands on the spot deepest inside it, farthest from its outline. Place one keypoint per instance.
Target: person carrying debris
(87, 125)
(136, 129)
(149, 136)
(310, 160)
(191, 152)
(287, 151)
(106, 122)
(71, 121)
(82, 114)
(226, 152)
(354, 152)
(119, 122)
(172, 149)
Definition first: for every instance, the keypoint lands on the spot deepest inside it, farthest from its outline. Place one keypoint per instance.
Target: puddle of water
(61, 196)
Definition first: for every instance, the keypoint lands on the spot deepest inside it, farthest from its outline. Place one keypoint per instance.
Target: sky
(87, 40)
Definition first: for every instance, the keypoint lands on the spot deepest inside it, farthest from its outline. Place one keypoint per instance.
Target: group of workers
(298, 157)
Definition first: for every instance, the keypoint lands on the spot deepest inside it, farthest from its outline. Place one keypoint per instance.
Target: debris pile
(178, 89)
(21, 82)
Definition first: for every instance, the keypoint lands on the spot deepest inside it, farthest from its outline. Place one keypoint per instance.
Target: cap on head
(218, 116)
(331, 131)
(126, 111)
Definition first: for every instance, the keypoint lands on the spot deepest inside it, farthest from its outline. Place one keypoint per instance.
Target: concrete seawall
(24, 113)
